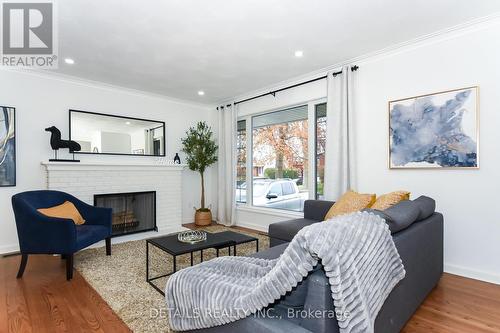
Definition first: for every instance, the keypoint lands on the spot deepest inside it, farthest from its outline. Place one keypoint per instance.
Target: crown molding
(100, 85)
(435, 37)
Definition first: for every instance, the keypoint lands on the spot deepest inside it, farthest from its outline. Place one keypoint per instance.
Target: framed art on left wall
(7, 146)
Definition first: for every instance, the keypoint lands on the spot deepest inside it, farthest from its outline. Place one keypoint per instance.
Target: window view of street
(280, 168)
(280, 159)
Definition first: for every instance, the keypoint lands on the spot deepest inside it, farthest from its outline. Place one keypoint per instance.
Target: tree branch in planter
(201, 152)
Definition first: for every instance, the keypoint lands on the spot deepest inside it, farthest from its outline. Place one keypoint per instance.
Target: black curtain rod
(353, 69)
(281, 89)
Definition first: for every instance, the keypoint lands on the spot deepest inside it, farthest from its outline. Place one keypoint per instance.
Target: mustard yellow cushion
(350, 202)
(64, 211)
(390, 199)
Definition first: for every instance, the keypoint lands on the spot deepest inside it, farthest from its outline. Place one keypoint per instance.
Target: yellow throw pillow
(64, 211)
(350, 202)
(390, 199)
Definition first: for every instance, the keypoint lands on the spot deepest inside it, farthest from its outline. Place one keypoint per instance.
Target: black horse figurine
(56, 143)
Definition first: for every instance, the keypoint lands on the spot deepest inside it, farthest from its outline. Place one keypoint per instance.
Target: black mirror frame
(121, 117)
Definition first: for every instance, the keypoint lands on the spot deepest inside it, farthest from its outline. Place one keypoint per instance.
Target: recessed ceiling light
(127, 122)
(299, 53)
(69, 61)
(201, 93)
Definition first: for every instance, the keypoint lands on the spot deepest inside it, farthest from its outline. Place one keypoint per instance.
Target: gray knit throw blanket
(358, 255)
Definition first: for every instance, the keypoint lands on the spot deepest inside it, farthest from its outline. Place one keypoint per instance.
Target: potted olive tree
(201, 152)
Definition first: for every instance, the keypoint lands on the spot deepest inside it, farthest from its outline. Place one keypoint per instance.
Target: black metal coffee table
(171, 245)
(238, 239)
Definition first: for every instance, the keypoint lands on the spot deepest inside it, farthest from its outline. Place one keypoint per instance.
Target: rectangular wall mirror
(100, 133)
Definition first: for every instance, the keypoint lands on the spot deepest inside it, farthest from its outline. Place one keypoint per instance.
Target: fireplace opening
(132, 212)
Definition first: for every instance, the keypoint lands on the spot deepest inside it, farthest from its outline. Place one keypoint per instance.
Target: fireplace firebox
(132, 212)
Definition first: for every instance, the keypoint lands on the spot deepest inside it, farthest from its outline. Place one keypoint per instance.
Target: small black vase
(177, 159)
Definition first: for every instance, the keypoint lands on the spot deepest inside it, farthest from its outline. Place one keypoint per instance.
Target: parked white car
(280, 194)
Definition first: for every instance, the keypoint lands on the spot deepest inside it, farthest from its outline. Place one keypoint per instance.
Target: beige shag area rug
(120, 279)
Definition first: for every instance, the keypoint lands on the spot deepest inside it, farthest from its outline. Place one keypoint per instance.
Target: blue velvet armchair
(40, 234)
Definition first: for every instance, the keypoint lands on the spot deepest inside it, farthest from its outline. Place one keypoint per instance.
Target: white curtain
(339, 152)
(227, 165)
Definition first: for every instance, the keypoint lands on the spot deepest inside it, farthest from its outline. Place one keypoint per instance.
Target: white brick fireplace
(84, 180)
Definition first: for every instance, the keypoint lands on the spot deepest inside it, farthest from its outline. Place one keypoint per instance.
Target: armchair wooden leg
(24, 261)
(108, 246)
(69, 266)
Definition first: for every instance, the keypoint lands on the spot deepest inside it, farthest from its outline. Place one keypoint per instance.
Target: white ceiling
(226, 48)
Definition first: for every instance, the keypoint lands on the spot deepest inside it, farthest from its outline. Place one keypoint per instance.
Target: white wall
(42, 100)
(467, 198)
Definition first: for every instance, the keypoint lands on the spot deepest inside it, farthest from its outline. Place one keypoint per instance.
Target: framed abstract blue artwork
(7, 146)
(439, 130)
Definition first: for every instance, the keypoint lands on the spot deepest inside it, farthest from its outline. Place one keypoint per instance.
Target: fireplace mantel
(109, 166)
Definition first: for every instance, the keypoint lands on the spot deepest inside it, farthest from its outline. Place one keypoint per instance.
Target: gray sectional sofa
(418, 234)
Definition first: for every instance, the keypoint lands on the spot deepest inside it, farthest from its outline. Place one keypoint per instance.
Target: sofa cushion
(316, 209)
(286, 230)
(403, 214)
(350, 202)
(66, 210)
(383, 215)
(426, 205)
(390, 199)
(399, 216)
(87, 234)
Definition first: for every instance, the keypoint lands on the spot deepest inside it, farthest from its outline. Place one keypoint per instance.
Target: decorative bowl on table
(192, 236)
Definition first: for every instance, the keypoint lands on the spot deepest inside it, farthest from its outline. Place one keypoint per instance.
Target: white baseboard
(253, 226)
(472, 273)
(5, 249)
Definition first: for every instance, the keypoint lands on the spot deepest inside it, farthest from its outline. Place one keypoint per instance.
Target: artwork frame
(462, 155)
(8, 172)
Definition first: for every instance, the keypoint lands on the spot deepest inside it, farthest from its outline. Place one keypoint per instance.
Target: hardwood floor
(44, 302)
(458, 304)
